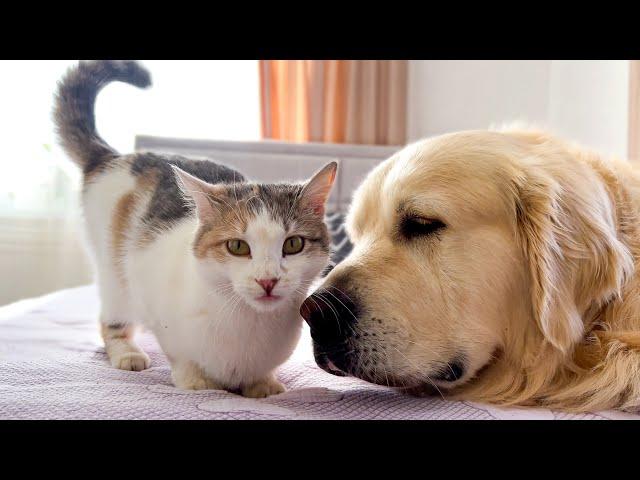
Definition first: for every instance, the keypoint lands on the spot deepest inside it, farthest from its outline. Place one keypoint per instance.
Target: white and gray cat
(215, 266)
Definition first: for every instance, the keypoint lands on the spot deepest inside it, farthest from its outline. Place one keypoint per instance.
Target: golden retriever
(495, 266)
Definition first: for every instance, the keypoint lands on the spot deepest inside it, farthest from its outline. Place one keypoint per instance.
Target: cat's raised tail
(74, 107)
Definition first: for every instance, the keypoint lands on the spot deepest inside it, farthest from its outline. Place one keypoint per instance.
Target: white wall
(584, 101)
(589, 101)
(39, 255)
(450, 95)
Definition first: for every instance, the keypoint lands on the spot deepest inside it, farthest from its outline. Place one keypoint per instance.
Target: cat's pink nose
(267, 284)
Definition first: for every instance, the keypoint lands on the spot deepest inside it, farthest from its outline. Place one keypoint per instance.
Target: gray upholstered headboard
(276, 161)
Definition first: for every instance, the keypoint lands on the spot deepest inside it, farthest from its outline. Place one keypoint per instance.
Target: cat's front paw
(191, 377)
(197, 384)
(132, 361)
(263, 388)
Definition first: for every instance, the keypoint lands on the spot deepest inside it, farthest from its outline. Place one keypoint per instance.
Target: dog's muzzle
(332, 316)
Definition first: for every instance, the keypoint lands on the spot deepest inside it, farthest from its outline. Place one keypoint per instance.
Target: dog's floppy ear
(567, 229)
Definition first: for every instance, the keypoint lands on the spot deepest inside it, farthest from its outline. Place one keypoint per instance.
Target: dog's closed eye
(415, 226)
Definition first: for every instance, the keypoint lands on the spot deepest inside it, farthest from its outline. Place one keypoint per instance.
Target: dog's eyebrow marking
(415, 207)
(402, 206)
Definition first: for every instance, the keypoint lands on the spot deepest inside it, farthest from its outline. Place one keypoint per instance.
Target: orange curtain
(335, 101)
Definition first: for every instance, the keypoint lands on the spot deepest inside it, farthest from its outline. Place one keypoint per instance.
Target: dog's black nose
(331, 315)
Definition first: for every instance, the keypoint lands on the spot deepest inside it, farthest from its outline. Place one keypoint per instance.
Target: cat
(214, 265)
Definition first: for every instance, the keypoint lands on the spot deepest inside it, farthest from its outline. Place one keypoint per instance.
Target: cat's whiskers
(223, 288)
(212, 329)
(300, 291)
(235, 305)
(230, 302)
(231, 299)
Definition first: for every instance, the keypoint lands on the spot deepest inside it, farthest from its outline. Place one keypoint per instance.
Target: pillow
(340, 244)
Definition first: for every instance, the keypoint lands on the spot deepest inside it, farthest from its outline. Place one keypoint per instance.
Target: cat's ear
(316, 191)
(203, 194)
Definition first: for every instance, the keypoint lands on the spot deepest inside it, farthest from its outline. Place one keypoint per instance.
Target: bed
(53, 364)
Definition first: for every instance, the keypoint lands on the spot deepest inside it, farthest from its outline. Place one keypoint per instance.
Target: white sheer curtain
(40, 246)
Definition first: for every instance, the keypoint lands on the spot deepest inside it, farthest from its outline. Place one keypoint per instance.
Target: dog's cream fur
(533, 278)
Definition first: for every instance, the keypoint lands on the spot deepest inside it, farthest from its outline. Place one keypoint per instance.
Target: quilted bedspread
(53, 366)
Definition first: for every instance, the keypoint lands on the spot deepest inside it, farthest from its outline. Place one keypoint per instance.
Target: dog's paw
(132, 361)
(263, 388)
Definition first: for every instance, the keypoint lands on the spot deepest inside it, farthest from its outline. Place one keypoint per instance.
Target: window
(197, 99)
(39, 185)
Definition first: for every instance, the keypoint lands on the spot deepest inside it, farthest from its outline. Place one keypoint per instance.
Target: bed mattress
(53, 366)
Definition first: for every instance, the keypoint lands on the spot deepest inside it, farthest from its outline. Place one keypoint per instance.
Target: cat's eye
(293, 245)
(414, 226)
(238, 247)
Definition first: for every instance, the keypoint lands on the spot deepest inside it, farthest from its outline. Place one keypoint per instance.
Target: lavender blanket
(53, 366)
